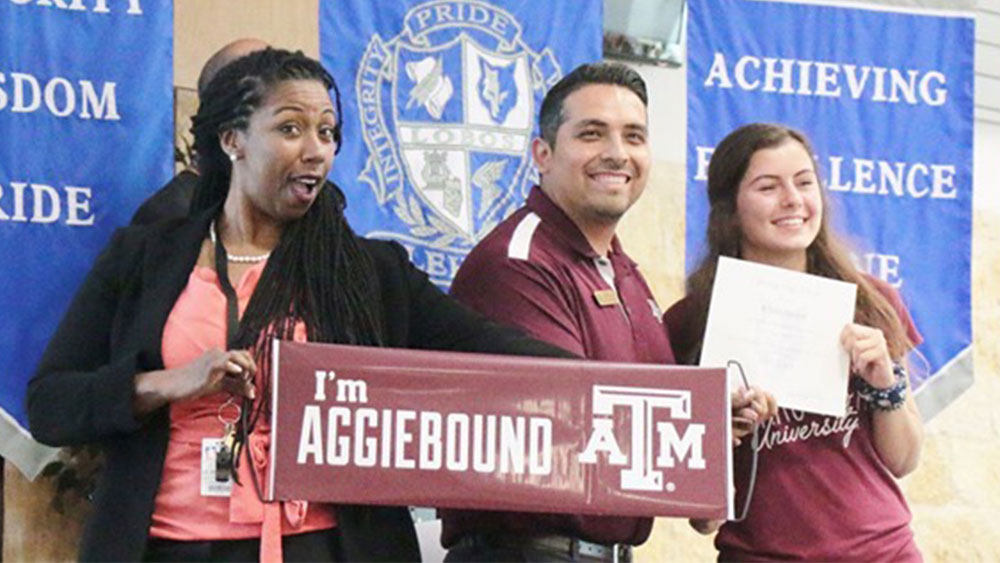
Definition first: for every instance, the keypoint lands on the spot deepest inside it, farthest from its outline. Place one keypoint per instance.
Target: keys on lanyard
(228, 414)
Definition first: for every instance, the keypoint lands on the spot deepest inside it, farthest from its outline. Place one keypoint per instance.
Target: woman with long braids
(825, 486)
(162, 356)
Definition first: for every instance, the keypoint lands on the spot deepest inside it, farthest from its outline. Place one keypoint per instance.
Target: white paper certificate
(784, 328)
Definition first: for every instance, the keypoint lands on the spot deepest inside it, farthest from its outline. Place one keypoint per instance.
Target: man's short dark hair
(551, 116)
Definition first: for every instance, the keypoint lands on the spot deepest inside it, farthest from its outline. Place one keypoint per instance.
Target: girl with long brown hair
(825, 486)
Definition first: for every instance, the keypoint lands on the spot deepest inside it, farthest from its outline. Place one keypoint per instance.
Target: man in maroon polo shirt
(556, 269)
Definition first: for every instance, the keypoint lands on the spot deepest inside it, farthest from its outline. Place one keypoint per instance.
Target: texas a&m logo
(654, 443)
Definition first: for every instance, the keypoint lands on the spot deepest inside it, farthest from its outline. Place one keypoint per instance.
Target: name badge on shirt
(606, 297)
(211, 484)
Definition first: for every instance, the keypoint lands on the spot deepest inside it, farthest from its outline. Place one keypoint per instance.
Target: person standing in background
(174, 198)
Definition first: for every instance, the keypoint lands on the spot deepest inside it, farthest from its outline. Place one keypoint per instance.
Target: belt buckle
(599, 551)
(578, 547)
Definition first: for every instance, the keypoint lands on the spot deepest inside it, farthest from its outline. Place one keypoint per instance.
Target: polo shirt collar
(564, 228)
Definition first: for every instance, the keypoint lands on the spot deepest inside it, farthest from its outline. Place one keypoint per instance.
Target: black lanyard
(222, 270)
(232, 324)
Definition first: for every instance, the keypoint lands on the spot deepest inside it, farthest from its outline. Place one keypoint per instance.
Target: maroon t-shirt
(537, 271)
(822, 492)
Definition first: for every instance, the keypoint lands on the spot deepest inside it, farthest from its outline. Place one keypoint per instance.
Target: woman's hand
(869, 355)
(750, 406)
(232, 371)
(216, 370)
(897, 434)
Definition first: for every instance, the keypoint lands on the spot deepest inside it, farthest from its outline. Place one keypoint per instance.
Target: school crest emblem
(447, 110)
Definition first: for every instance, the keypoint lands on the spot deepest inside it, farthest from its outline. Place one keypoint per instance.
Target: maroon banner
(443, 429)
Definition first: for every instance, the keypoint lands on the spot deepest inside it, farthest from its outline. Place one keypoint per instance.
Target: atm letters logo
(654, 445)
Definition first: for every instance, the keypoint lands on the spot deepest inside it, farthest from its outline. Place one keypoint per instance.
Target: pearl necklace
(234, 258)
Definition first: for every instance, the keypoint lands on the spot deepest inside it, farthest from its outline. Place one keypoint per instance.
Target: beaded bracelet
(888, 399)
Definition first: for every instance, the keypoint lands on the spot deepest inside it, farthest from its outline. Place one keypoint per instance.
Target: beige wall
(201, 27)
(955, 494)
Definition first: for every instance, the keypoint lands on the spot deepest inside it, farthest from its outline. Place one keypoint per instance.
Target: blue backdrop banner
(86, 118)
(890, 111)
(441, 100)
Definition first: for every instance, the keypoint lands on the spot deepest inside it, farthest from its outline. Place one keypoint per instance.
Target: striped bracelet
(888, 399)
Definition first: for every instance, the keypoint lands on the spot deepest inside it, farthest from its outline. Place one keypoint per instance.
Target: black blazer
(171, 201)
(83, 389)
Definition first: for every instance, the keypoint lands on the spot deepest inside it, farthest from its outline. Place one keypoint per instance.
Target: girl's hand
(869, 355)
(750, 406)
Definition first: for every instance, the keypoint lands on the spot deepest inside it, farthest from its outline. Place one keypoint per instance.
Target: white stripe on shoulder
(520, 241)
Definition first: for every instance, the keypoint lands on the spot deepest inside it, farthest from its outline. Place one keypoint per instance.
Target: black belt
(575, 548)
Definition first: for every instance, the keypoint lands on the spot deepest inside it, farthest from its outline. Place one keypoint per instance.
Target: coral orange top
(196, 324)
